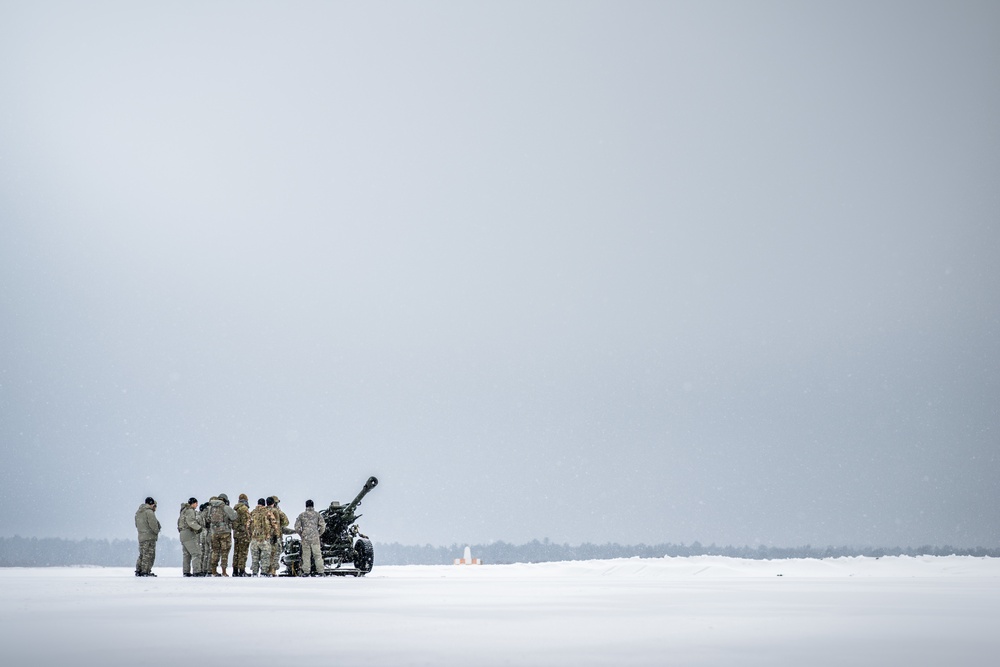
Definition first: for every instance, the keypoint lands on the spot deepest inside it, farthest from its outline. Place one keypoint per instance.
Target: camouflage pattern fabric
(282, 520)
(263, 524)
(264, 532)
(260, 552)
(282, 517)
(220, 515)
(310, 525)
(204, 544)
(148, 528)
(311, 556)
(276, 549)
(241, 537)
(147, 554)
(241, 548)
(222, 541)
(241, 526)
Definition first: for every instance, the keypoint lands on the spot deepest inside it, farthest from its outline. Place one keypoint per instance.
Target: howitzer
(346, 551)
(338, 518)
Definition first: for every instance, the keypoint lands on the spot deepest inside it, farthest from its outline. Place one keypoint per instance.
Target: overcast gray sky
(590, 271)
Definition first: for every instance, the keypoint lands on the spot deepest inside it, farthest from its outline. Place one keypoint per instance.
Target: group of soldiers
(208, 532)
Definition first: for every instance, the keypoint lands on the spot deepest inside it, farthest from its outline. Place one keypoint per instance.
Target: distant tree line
(546, 551)
(52, 551)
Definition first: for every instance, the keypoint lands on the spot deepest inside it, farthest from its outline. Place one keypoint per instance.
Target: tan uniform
(241, 538)
(283, 529)
(264, 533)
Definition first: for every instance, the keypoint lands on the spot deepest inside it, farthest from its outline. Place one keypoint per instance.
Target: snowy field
(670, 611)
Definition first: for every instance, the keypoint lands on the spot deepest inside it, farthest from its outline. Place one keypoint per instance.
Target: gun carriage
(346, 551)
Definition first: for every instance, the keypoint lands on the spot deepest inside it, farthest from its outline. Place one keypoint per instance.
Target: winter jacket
(187, 523)
(146, 523)
(220, 516)
(241, 527)
(282, 520)
(310, 525)
(201, 516)
(264, 524)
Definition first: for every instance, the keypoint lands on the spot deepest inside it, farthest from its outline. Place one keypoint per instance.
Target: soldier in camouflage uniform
(148, 527)
(264, 532)
(204, 542)
(189, 527)
(221, 517)
(310, 525)
(283, 530)
(241, 536)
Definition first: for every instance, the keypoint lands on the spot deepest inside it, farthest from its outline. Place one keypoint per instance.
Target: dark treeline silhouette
(51, 551)
(545, 551)
(54, 551)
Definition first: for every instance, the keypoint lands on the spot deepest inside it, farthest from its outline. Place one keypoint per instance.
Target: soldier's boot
(224, 573)
(215, 570)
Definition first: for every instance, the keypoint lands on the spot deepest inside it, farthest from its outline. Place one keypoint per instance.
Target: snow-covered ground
(670, 611)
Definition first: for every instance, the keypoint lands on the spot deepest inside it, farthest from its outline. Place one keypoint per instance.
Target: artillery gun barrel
(353, 505)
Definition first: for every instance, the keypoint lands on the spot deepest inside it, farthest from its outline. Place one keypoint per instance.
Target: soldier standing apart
(189, 528)
(283, 529)
(204, 564)
(221, 517)
(149, 530)
(263, 527)
(310, 525)
(241, 536)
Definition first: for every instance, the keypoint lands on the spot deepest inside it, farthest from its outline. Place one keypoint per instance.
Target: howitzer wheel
(364, 556)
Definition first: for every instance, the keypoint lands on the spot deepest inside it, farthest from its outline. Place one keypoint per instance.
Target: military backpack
(217, 517)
